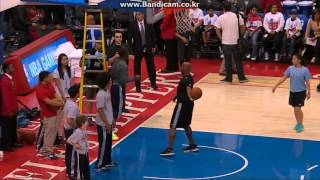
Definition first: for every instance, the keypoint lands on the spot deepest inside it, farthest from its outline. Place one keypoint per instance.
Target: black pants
(289, 45)
(184, 51)
(9, 131)
(124, 98)
(69, 151)
(105, 145)
(81, 166)
(24, 38)
(230, 51)
(171, 54)
(117, 100)
(272, 42)
(317, 51)
(150, 66)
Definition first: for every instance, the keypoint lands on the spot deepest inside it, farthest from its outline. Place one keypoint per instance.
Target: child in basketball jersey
(182, 114)
(79, 141)
(299, 88)
(71, 112)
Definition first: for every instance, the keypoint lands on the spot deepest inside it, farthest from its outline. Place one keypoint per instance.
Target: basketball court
(243, 131)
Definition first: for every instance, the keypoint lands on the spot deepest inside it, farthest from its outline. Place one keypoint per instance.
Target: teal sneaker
(300, 128)
(296, 127)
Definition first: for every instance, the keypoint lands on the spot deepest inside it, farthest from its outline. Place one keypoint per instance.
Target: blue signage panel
(41, 60)
(63, 2)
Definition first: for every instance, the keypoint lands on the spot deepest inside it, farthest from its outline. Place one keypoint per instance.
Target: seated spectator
(253, 30)
(209, 28)
(273, 24)
(196, 14)
(312, 35)
(266, 4)
(34, 16)
(22, 24)
(292, 35)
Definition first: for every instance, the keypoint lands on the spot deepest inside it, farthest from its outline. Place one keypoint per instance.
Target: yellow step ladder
(86, 58)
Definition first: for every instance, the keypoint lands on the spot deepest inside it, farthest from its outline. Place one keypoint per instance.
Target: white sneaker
(253, 58)
(221, 56)
(313, 60)
(248, 56)
(276, 56)
(266, 56)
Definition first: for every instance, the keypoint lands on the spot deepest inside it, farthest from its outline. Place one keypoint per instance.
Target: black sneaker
(111, 165)
(191, 148)
(167, 152)
(243, 80)
(225, 81)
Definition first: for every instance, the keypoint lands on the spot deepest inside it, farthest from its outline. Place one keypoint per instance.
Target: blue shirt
(298, 78)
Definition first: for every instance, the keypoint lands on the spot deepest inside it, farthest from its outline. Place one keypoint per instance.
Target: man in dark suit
(141, 37)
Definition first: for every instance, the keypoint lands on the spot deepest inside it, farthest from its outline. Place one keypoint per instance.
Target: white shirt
(210, 20)
(141, 24)
(228, 23)
(103, 100)
(292, 26)
(273, 22)
(65, 82)
(196, 15)
(70, 110)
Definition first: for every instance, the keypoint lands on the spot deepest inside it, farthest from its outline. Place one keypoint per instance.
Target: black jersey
(182, 95)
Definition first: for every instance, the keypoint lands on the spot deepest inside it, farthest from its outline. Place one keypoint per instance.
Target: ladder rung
(90, 86)
(94, 40)
(94, 10)
(98, 27)
(94, 71)
(89, 115)
(89, 100)
(93, 57)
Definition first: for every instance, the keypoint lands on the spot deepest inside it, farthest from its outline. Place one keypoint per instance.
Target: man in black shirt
(182, 114)
(113, 50)
(113, 54)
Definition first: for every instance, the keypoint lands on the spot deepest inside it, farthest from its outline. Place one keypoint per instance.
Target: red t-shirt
(43, 92)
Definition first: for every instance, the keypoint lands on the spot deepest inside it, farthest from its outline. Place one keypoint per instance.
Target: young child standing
(105, 122)
(299, 88)
(79, 141)
(182, 114)
(71, 112)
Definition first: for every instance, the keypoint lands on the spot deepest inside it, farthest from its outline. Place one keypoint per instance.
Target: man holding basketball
(182, 114)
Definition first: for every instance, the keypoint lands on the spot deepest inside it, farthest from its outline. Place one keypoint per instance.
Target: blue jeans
(253, 35)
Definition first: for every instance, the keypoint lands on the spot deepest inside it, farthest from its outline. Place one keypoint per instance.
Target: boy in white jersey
(71, 112)
(105, 122)
(209, 28)
(292, 36)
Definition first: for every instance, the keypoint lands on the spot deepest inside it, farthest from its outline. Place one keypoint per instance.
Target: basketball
(196, 93)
